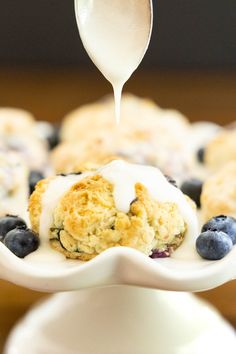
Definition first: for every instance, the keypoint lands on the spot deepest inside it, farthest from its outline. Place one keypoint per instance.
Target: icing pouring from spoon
(116, 35)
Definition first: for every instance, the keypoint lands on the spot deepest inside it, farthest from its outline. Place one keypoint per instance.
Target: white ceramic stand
(122, 320)
(113, 317)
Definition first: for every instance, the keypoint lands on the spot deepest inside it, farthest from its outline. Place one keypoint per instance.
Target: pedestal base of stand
(122, 320)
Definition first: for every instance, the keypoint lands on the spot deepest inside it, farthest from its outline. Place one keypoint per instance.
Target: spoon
(116, 35)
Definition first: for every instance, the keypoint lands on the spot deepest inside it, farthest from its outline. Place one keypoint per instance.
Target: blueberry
(193, 188)
(69, 174)
(134, 201)
(160, 254)
(21, 241)
(213, 245)
(171, 181)
(34, 178)
(223, 223)
(10, 222)
(53, 138)
(201, 155)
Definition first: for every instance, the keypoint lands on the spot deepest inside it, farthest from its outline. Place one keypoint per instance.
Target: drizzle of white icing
(123, 176)
(56, 189)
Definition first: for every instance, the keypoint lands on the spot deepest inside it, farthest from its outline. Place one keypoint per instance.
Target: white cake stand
(113, 309)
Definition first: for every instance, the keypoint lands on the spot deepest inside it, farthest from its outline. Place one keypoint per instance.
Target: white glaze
(56, 189)
(124, 176)
(45, 255)
(51, 197)
(115, 34)
(48, 270)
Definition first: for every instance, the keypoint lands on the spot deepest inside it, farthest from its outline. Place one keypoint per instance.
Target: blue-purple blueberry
(54, 137)
(21, 241)
(213, 245)
(10, 222)
(171, 180)
(160, 254)
(223, 223)
(193, 188)
(201, 155)
(34, 178)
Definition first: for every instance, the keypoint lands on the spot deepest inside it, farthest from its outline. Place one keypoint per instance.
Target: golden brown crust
(100, 116)
(87, 222)
(56, 245)
(147, 134)
(73, 157)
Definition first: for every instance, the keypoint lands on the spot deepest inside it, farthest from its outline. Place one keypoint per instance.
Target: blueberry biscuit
(82, 215)
(146, 134)
(18, 133)
(221, 149)
(219, 193)
(13, 184)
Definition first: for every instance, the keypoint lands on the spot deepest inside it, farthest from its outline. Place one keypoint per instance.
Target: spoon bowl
(122, 29)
